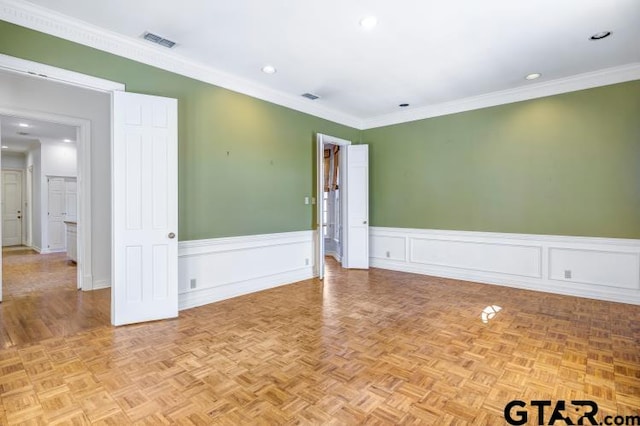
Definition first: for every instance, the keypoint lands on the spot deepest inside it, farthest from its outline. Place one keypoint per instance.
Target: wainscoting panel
(599, 268)
(388, 247)
(221, 268)
(476, 256)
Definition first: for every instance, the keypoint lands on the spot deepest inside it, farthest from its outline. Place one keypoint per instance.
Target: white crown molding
(587, 80)
(44, 20)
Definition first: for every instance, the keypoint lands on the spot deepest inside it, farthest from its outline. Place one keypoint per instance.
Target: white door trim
(47, 72)
(321, 140)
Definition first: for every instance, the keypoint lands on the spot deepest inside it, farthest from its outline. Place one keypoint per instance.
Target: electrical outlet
(306, 261)
(388, 254)
(193, 283)
(306, 200)
(567, 273)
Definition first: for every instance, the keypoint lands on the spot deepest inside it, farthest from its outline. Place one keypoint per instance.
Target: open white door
(144, 208)
(356, 251)
(0, 226)
(320, 219)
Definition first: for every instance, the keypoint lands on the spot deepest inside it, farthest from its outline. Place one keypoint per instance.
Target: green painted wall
(565, 165)
(245, 165)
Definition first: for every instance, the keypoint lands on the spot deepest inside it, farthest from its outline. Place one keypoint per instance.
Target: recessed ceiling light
(23, 125)
(533, 76)
(368, 22)
(600, 35)
(5, 147)
(403, 105)
(269, 69)
(67, 140)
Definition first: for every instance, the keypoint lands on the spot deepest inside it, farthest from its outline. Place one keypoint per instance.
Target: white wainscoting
(228, 267)
(598, 268)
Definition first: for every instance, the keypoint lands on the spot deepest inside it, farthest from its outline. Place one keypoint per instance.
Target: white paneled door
(357, 204)
(56, 214)
(320, 226)
(144, 209)
(62, 205)
(11, 207)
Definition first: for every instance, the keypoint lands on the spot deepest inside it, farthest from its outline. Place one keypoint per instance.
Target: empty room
(330, 213)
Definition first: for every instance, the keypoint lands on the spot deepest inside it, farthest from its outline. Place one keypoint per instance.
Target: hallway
(41, 301)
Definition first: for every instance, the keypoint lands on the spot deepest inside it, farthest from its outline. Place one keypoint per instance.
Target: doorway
(36, 144)
(342, 185)
(139, 136)
(331, 202)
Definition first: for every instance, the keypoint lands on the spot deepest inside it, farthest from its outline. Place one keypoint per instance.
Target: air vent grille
(310, 96)
(158, 40)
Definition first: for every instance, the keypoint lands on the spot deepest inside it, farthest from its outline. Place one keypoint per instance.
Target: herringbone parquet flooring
(376, 347)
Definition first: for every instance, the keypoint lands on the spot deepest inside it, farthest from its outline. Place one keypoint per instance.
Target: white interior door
(11, 208)
(144, 208)
(319, 205)
(55, 214)
(1, 285)
(356, 250)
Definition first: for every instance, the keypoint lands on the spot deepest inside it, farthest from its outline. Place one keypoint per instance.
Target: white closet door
(56, 214)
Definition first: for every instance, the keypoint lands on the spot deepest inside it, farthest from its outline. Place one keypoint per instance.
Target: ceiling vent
(310, 96)
(22, 133)
(158, 40)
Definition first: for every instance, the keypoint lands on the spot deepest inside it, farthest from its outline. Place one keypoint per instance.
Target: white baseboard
(100, 284)
(598, 268)
(49, 251)
(333, 254)
(228, 267)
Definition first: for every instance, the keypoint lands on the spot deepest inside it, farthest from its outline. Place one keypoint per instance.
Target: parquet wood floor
(41, 299)
(375, 347)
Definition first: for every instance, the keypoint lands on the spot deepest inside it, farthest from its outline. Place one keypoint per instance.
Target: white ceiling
(37, 130)
(422, 52)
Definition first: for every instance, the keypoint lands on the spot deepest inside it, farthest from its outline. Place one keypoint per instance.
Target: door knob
(364, 222)
(172, 235)
(19, 217)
